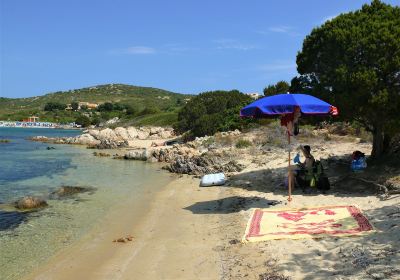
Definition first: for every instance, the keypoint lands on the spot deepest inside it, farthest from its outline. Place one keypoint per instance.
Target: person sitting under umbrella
(305, 167)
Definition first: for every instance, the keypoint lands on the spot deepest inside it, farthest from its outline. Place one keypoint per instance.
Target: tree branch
(381, 187)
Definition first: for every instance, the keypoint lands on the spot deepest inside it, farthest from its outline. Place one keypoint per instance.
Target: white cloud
(283, 29)
(280, 29)
(134, 50)
(140, 50)
(223, 44)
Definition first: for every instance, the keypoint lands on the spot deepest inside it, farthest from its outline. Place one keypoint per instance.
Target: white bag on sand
(212, 180)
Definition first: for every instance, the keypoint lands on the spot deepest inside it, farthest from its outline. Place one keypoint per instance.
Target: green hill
(148, 105)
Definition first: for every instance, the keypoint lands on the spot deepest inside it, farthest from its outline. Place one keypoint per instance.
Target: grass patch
(5, 141)
(159, 119)
(243, 143)
(208, 142)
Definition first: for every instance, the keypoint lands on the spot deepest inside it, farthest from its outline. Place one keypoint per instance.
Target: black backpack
(322, 180)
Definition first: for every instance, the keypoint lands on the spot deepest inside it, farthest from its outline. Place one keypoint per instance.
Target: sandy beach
(195, 140)
(189, 232)
(193, 233)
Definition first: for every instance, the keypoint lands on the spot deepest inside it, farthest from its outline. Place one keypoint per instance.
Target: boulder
(165, 134)
(122, 133)
(143, 134)
(111, 144)
(39, 138)
(94, 133)
(138, 154)
(112, 121)
(86, 139)
(30, 202)
(107, 134)
(155, 130)
(200, 165)
(132, 132)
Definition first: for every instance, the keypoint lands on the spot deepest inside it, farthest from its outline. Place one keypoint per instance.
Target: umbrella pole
(290, 177)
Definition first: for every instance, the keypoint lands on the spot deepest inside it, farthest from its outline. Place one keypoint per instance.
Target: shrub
(53, 106)
(105, 107)
(83, 121)
(149, 110)
(224, 140)
(75, 105)
(243, 143)
(210, 112)
(130, 110)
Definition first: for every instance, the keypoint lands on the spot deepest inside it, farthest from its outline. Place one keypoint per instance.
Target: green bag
(312, 182)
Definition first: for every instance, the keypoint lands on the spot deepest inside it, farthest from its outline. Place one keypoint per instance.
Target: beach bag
(216, 179)
(323, 183)
(358, 162)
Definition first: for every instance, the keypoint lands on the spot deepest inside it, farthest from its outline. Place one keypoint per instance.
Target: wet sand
(170, 242)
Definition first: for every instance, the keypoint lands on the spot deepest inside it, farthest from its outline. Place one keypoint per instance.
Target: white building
(254, 95)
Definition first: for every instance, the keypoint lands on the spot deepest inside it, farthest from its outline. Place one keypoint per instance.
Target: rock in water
(30, 202)
(70, 190)
(138, 154)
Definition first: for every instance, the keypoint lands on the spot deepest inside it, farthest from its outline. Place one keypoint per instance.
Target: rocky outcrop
(200, 165)
(169, 154)
(85, 139)
(107, 138)
(30, 202)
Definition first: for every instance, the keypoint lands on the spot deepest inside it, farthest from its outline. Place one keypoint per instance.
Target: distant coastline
(20, 124)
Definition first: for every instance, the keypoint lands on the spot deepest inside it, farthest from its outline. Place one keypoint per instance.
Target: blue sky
(185, 46)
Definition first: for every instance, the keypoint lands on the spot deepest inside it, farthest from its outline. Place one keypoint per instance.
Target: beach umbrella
(289, 106)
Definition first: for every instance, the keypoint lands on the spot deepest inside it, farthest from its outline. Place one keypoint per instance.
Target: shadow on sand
(273, 180)
(373, 256)
(230, 205)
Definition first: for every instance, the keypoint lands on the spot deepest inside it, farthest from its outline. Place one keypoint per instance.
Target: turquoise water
(28, 168)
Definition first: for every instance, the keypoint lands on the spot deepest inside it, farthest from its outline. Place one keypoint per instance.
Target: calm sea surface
(29, 168)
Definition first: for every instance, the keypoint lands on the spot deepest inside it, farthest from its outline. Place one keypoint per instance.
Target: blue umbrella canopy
(285, 104)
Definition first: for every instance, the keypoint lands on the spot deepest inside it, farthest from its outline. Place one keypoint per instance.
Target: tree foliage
(75, 105)
(212, 111)
(105, 107)
(149, 110)
(54, 106)
(279, 87)
(354, 61)
(83, 120)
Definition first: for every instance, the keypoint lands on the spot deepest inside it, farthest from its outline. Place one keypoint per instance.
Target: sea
(27, 168)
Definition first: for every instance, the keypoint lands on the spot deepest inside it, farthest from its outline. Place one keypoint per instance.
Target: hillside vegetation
(135, 105)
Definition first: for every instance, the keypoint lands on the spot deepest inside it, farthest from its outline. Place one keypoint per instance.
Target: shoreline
(44, 127)
(158, 248)
(189, 232)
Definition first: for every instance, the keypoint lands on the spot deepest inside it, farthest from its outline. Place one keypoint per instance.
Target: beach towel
(313, 222)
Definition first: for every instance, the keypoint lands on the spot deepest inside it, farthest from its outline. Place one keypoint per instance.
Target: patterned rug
(315, 222)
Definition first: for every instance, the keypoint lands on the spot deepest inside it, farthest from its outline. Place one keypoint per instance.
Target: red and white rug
(313, 222)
